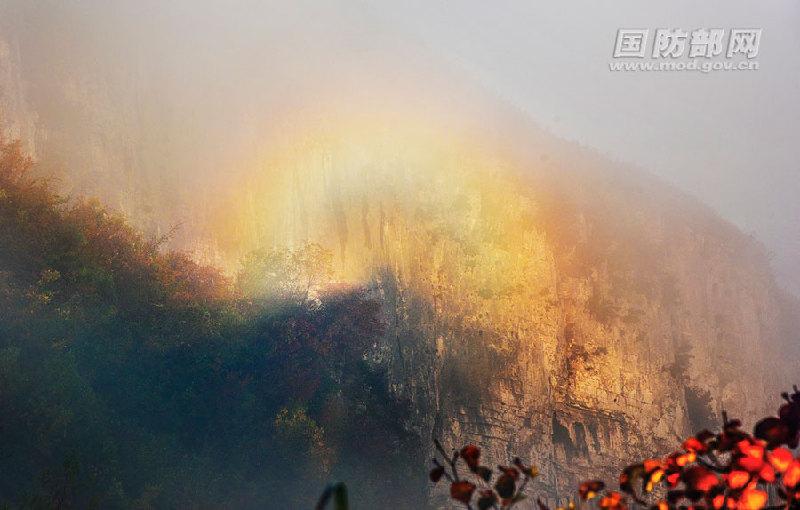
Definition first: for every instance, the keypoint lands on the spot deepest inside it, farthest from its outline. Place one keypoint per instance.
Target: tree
(284, 273)
(728, 470)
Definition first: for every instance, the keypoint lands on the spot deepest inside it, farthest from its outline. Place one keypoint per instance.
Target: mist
(193, 89)
(263, 246)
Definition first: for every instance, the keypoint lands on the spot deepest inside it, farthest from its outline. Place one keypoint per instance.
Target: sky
(211, 77)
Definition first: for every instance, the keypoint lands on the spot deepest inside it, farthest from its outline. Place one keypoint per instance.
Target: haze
(202, 86)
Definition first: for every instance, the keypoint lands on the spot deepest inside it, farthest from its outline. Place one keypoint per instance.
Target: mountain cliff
(549, 304)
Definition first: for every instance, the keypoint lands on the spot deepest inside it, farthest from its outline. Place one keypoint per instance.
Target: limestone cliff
(89, 114)
(555, 307)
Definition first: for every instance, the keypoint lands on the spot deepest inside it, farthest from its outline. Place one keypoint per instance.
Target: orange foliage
(729, 470)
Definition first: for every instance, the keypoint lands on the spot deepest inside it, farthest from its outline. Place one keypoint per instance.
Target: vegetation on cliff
(132, 377)
(566, 329)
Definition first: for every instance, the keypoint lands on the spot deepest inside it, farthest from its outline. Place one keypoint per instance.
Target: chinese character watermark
(744, 41)
(630, 42)
(669, 43)
(706, 43)
(708, 49)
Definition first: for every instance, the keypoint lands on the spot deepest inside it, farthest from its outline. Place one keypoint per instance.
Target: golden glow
(450, 219)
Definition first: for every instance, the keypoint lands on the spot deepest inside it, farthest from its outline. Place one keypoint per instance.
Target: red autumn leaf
(750, 448)
(685, 459)
(789, 414)
(738, 479)
(792, 475)
(751, 456)
(651, 465)
(780, 459)
(694, 445)
(752, 499)
(612, 501)
(652, 479)
(767, 473)
(590, 488)
(750, 464)
(471, 454)
(700, 479)
(487, 499)
(505, 486)
(509, 471)
(436, 474)
(462, 491)
(772, 430)
(731, 435)
(673, 479)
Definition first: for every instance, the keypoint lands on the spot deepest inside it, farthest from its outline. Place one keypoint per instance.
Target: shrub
(728, 470)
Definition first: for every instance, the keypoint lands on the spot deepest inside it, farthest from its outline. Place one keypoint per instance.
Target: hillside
(134, 378)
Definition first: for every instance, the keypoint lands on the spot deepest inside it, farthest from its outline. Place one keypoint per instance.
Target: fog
(182, 93)
(329, 231)
(730, 139)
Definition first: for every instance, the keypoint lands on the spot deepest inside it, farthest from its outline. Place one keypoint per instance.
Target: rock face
(551, 307)
(16, 118)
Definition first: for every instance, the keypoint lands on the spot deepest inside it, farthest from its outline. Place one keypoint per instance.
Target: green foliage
(130, 377)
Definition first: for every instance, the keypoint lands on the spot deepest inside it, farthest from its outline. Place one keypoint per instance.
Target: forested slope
(134, 378)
